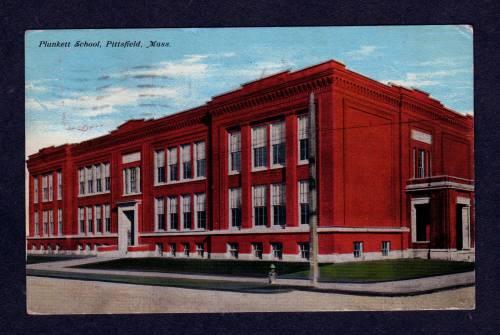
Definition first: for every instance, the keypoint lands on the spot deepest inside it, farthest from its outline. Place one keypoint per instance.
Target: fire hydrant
(272, 274)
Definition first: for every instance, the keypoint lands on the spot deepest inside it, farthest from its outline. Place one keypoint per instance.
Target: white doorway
(127, 227)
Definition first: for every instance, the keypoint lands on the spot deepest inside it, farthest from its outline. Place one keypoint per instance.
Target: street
(62, 296)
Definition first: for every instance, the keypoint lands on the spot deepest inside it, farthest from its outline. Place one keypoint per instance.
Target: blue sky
(73, 94)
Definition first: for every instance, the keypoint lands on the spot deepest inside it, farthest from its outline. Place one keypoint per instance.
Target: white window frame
(172, 159)
(303, 250)
(45, 230)
(186, 199)
(200, 206)
(200, 250)
(199, 155)
(385, 248)
(303, 198)
(81, 220)
(277, 250)
(51, 223)
(127, 180)
(277, 200)
(90, 219)
(169, 212)
(90, 178)
(82, 179)
(233, 250)
(35, 189)
(107, 215)
(45, 188)
(234, 202)
(254, 189)
(357, 252)
(51, 187)
(234, 145)
(257, 247)
(186, 158)
(107, 174)
(254, 145)
(159, 208)
(36, 221)
(302, 121)
(59, 222)
(98, 210)
(59, 185)
(279, 138)
(159, 161)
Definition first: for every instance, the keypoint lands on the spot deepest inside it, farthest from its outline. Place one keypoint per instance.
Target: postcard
(222, 170)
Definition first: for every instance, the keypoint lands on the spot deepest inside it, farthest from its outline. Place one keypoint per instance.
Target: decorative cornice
(364, 90)
(261, 98)
(433, 114)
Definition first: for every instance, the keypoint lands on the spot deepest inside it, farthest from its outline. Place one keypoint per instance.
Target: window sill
(259, 169)
(277, 166)
(303, 162)
(420, 242)
(93, 194)
(131, 194)
(233, 173)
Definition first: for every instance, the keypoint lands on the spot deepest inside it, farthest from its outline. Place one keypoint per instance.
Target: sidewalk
(390, 288)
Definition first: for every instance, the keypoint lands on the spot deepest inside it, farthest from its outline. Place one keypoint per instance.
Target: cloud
(424, 79)
(363, 52)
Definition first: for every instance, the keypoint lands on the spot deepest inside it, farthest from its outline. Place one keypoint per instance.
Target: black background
(18, 16)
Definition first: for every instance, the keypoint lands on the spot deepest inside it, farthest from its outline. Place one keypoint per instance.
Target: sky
(77, 93)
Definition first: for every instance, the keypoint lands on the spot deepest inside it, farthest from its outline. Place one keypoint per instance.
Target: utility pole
(313, 216)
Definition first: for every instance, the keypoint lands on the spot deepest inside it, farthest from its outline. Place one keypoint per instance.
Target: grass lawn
(198, 266)
(372, 271)
(33, 259)
(386, 270)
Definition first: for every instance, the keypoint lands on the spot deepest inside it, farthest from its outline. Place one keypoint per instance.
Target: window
(35, 189)
(98, 178)
(173, 169)
(185, 247)
(358, 249)
(304, 201)
(98, 219)
(277, 250)
(200, 249)
(132, 180)
(37, 227)
(51, 223)
(81, 178)
(257, 250)
(160, 214)
(386, 248)
(160, 166)
(259, 206)
(278, 147)
(45, 188)
(304, 250)
(421, 164)
(81, 220)
(200, 159)
(59, 185)
(235, 207)
(303, 139)
(90, 180)
(233, 250)
(187, 172)
(107, 218)
(186, 212)
(235, 152)
(51, 185)
(201, 216)
(173, 218)
(90, 228)
(45, 223)
(259, 153)
(159, 249)
(173, 249)
(107, 177)
(59, 222)
(278, 202)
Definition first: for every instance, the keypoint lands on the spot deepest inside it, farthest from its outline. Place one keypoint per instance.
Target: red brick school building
(230, 179)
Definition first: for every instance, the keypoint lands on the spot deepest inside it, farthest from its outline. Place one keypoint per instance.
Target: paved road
(62, 296)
